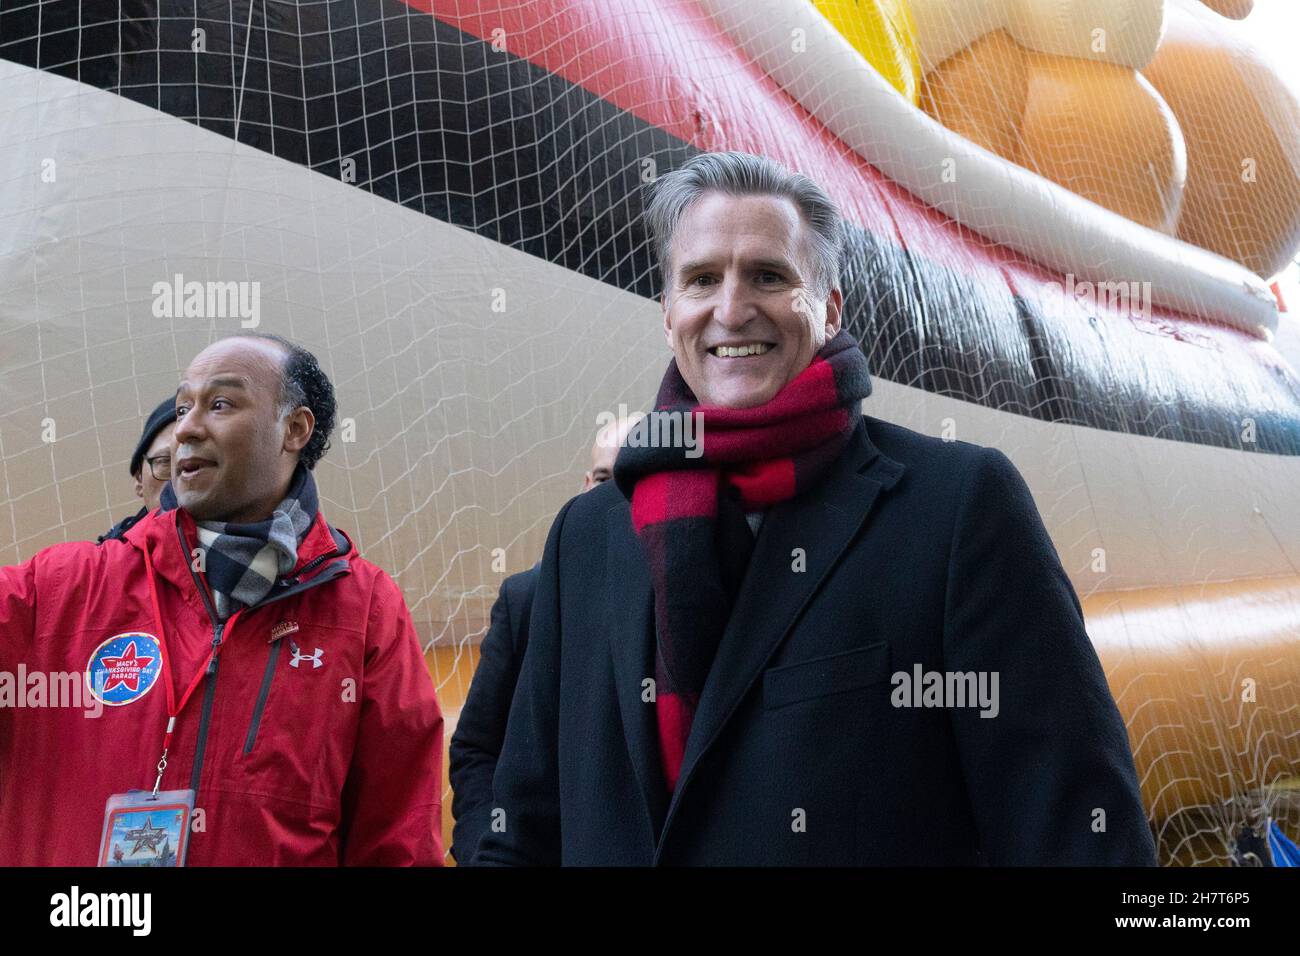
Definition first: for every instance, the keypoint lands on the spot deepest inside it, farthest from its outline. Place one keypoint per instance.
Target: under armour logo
(299, 656)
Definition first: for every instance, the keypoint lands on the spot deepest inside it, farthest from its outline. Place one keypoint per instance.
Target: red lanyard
(174, 709)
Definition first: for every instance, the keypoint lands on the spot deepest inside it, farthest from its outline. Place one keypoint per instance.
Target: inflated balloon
(1191, 133)
(1123, 32)
(1242, 127)
(1043, 112)
(1236, 9)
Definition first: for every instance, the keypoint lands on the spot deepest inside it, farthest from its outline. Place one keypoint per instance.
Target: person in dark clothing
(476, 742)
(794, 634)
(150, 465)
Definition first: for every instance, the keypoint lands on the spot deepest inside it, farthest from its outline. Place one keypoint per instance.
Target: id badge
(143, 830)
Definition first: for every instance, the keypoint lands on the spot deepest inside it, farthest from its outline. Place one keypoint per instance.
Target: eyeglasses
(160, 467)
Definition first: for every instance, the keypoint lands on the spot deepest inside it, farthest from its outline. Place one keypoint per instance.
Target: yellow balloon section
(882, 31)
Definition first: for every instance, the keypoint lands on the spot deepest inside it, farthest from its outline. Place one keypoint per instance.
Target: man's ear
(298, 428)
(834, 311)
(668, 322)
(139, 485)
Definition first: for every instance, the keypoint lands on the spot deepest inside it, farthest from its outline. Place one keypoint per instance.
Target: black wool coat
(918, 555)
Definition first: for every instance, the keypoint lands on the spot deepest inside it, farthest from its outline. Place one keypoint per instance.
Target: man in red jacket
(230, 683)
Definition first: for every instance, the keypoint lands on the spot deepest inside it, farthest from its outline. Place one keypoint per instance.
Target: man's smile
(739, 350)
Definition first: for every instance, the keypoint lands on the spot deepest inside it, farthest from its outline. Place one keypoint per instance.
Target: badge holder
(142, 828)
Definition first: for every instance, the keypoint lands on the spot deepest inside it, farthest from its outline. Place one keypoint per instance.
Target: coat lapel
(772, 595)
(629, 621)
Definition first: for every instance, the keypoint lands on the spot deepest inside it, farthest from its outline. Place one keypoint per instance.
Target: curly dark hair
(303, 382)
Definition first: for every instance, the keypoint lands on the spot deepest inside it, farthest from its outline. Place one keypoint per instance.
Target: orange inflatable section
(1236, 9)
(1097, 129)
(452, 669)
(1202, 142)
(1241, 124)
(1207, 678)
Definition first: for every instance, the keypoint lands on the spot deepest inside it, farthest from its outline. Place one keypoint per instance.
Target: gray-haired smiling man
(710, 677)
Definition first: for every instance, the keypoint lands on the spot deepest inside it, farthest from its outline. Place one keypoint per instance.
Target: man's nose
(188, 427)
(735, 305)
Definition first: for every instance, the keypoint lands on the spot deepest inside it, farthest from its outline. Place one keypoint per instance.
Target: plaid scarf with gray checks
(240, 556)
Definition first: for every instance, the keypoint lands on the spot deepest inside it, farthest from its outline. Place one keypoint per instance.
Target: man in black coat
(882, 663)
(481, 726)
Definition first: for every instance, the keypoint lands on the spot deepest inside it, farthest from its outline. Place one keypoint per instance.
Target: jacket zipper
(261, 695)
(218, 633)
(268, 675)
(210, 684)
(311, 565)
(209, 691)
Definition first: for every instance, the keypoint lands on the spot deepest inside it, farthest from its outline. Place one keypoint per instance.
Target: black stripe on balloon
(436, 120)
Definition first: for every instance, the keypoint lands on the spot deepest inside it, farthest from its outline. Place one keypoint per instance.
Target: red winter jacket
(314, 739)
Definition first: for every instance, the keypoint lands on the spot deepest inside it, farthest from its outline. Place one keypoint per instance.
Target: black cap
(160, 418)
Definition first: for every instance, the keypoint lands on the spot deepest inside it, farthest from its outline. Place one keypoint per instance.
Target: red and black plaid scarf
(688, 507)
